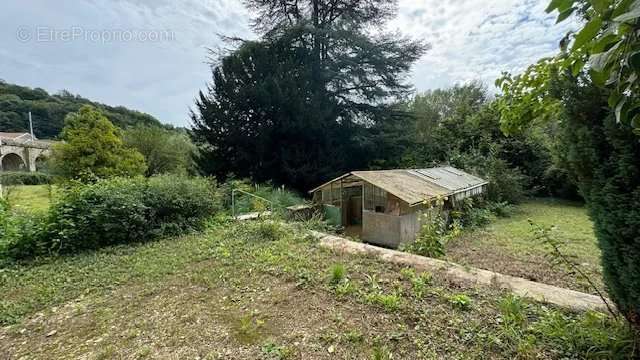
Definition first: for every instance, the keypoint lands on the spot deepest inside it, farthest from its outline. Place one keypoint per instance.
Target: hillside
(49, 110)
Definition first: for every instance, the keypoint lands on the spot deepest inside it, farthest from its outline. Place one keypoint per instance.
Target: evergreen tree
(295, 106)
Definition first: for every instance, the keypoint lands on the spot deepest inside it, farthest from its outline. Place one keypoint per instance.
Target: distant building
(383, 207)
(21, 151)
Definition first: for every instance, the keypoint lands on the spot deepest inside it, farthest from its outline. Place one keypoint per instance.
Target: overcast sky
(150, 55)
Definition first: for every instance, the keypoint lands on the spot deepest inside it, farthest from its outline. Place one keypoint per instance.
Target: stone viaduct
(21, 151)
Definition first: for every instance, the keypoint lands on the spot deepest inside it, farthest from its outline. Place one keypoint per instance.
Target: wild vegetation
(263, 288)
(129, 236)
(589, 92)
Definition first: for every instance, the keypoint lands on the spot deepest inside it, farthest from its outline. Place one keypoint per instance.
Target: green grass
(224, 292)
(29, 197)
(508, 245)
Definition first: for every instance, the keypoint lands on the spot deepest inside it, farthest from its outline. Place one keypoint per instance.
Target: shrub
(125, 210)
(433, 235)
(506, 184)
(21, 234)
(24, 178)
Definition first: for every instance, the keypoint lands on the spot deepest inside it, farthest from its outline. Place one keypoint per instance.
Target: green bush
(21, 234)
(433, 236)
(125, 210)
(24, 178)
(108, 212)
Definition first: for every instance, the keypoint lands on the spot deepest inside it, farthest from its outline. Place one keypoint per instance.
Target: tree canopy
(92, 148)
(294, 106)
(49, 110)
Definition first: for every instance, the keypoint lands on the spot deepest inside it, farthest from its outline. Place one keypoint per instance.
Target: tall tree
(165, 151)
(92, 148)
(294, 106)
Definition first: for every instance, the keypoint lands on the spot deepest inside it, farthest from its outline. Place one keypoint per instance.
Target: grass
(225, 294)
(508, 245)
(30, 197)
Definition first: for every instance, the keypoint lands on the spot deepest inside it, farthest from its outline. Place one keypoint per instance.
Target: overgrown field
(508, 245)
(264, 290)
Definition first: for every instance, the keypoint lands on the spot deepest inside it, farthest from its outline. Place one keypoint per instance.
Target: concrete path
(525, 288)
(253, 216)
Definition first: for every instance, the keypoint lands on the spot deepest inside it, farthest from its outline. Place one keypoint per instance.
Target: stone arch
(13, 162)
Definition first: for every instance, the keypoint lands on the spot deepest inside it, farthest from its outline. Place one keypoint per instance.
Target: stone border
(571, 299)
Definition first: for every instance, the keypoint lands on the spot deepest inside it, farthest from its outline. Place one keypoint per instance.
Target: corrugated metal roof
(417, 185)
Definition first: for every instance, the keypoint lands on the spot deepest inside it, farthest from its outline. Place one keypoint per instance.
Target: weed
(354, 336)
(338, 274)
(381, 353)
(249, 328)
(345, 288)
(389, 302)
(460, 302)
(419, 283)
(276, 352)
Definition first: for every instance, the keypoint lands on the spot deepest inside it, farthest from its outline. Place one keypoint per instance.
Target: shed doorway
(352, 211)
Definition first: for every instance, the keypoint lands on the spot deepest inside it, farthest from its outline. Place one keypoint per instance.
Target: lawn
(265, 290)
(508, 245)
(30, 197)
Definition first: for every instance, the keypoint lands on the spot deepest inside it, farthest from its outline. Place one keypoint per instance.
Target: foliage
(92, 148)
(338, 274)
(278, 198)
(608, 48)
(461, 126)
(24, 178)
(21, 234)
(114, 211)
(601, 155)
(165, 151)
(598, 145)
(460, 301)
(49, 110)
(434, 234)
(590, 335)
(288, 107)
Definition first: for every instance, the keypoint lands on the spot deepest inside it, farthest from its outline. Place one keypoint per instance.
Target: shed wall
(389, 230)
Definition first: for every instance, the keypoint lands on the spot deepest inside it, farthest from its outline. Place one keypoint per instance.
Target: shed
(383, 207)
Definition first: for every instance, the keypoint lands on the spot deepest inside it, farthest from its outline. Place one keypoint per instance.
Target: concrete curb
(571, 299)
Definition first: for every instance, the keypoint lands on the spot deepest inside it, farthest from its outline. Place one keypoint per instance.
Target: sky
(151, 55)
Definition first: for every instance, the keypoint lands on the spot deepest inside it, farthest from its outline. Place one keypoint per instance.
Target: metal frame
(233, 200)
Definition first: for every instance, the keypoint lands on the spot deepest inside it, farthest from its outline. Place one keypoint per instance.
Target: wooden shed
(384, 207)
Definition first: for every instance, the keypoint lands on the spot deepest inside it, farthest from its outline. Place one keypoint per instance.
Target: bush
(109, 212)
(125, 210)
(433, 235)
(24, 178)
(21, 235)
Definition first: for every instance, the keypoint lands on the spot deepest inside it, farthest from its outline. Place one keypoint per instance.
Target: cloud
(477, 39)
(471, 39)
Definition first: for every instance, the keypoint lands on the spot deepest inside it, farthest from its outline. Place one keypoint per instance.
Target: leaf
(634, 61)
(577, 66)
(620, 114)
(622, 7)
(565, 14)
(614, 98)
(598, 62)
(588, 32)
(561, 5)
(632, 14)
(600, 5)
